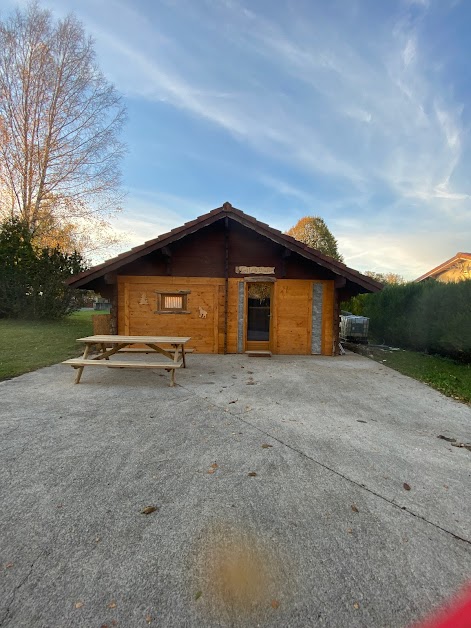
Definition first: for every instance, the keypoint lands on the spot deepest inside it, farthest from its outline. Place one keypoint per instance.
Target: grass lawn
(449, 377)
(29, 345)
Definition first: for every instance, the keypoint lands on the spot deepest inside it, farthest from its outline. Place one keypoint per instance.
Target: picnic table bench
(109, 345)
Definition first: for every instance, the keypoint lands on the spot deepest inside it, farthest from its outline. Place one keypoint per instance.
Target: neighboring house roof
(205, 220)
(455, 262)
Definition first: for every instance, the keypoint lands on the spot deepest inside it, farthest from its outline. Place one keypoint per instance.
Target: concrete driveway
(324, 532)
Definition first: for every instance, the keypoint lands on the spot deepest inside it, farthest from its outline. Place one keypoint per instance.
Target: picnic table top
(118, 339)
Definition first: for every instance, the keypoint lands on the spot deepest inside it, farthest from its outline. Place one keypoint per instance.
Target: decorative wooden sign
(255, 270)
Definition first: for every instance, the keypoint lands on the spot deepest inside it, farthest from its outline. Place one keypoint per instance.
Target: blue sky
(357, 111)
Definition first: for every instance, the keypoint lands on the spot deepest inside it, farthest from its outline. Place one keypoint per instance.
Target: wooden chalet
(232, 283)
(457, 268)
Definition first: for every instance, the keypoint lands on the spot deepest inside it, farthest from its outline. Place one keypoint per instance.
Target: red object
(457, 614)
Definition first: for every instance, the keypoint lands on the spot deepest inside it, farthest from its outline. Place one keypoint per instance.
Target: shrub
(428, 316)
(32, 281)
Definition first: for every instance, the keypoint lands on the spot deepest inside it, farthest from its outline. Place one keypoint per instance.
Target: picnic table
(109, 345)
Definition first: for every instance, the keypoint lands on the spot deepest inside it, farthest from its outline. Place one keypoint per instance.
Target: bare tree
(386, 278)
(60, 121)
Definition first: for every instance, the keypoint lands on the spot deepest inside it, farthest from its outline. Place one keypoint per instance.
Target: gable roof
(226, 210)
(444, 266)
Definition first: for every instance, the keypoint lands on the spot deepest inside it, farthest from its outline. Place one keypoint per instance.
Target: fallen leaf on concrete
(211, 471)
(214, 466)
(198, 594)
(8, 565)
(148, 510)
(447, 438)
(356, 606)
(275, 603)
(252, 474)
(266, 446)
(406, 486)
(78, 604)
(104, 626)
(112, 604)
(148, 619)
(465, 445)
(354, 508)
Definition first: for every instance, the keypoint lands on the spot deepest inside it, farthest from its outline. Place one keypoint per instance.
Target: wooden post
(167, 253)
(110, 291)
(226, 279)
(339, 284)
(126, 308)
(284, 256)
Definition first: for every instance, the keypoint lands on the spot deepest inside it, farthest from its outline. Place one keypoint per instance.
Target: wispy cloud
(422, 3)
(261, 117)
(358, 107)
(388, 92)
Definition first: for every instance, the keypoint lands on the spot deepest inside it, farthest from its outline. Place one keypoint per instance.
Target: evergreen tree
(32, 280)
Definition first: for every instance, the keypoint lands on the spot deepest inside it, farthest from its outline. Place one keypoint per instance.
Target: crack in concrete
(19, 586)
(17, 455)
(177, 401)
(341, 475)
(11, 431)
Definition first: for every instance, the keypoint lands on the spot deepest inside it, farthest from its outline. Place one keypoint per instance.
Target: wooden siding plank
(317, 311)
(327, 319)
(126, 309)
(291, 312)
(139, 302)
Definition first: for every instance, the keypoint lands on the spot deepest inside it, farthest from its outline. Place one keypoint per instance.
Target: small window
(172, 302)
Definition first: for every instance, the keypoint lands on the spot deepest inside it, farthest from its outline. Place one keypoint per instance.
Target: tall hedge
(428, 316)
(32, 280)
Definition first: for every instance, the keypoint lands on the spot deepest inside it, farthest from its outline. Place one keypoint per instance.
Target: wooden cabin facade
(230, 282)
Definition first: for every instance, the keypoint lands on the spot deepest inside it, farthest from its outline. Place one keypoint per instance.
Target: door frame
(259, 345)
